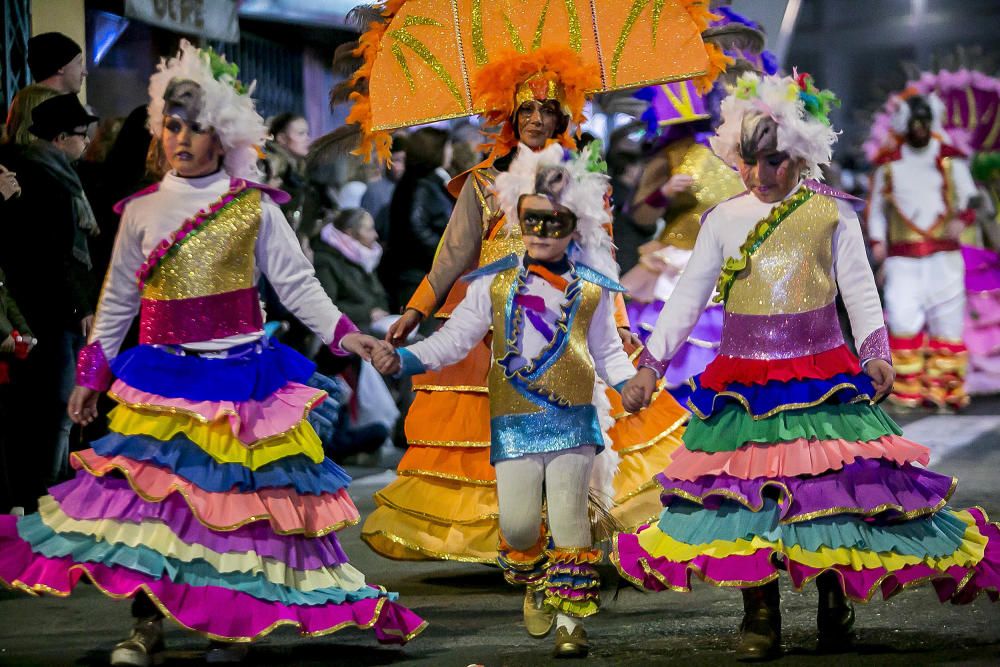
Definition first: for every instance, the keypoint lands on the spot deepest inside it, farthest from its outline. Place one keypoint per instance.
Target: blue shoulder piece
(508, 262)
(599, 279)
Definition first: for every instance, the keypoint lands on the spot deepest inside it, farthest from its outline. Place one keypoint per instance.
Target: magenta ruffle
(197, 608)
(958, 584)
(867, 486)
(111, 498)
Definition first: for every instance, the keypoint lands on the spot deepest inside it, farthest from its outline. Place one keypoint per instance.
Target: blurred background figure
(420, 209)
(378, 196)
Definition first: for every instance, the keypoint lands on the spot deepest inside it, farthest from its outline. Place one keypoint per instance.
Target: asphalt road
(474, 616)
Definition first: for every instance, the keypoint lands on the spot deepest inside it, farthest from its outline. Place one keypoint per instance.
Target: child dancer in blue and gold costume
(790, 464)
(554, 333)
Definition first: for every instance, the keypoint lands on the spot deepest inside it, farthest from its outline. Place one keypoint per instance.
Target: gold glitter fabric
(547, 404)
(714, 182)
(792, 271)
(215, 258)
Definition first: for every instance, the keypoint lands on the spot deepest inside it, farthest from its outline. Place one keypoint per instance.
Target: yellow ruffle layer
(216, 438)
(158, 537)
(424, 518)
(659, 545)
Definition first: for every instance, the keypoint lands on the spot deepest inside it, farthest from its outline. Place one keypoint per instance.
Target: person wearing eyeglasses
(46, 255)
(552, 313)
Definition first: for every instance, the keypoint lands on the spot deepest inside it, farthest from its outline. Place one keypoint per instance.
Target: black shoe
(834, 617)
(760, 630)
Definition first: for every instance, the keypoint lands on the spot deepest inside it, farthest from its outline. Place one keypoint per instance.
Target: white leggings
(566, 479)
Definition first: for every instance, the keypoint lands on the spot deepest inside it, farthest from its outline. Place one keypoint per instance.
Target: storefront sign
(212, 19)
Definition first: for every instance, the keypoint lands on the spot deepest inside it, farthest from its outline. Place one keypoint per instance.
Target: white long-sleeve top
(917, 185)
(723, 231)
(471, 320)
(149, 219)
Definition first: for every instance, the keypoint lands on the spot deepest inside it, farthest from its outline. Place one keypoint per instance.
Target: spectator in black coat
(420, 209)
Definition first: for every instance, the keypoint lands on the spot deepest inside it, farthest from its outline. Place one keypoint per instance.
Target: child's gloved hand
(639, 390)
(385, 359)
(882, 374)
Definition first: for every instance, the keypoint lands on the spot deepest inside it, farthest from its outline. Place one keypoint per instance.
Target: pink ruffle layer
(287, 511)
(250, 421)
(789, 459)
(198, 608)
(958, 584)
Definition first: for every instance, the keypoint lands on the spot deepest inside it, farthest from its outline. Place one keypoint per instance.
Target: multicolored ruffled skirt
(790, 466)
(211, 496)
(982, 320)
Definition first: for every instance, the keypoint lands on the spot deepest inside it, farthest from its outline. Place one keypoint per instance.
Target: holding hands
(639, 390)
(360, 344)
(386, 359)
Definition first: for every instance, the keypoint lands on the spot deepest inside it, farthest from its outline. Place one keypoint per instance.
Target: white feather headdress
(226, 107)
(800, 110)
(584, 195)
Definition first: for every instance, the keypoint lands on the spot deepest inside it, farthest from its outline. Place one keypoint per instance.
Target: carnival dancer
(922, 198)
(982, 281)
(555, 333)
(444, 503)
(681, 181)
(210, 502)
(790, 463)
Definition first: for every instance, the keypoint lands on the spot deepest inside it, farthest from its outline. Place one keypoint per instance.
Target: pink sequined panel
(344, 326)
(92, 369)
(876, 346)
(179, 321)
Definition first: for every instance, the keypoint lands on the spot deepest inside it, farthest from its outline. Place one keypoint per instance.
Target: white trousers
(926, 293)
(565, 477)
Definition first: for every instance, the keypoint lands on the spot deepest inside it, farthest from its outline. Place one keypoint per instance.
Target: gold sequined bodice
(570, 380)
(714, 182)
(792, 271)
(214, 258)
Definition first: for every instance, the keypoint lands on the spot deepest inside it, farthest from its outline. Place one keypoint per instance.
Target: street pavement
(475, 618)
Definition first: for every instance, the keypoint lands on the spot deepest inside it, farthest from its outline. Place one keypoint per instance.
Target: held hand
(630, 340)
(882, 375)
(9, 187)
(677, 184)
(639, 390)
(386, 359)
(403, 327)
(7, 345)
(360, 344)
(82, 407)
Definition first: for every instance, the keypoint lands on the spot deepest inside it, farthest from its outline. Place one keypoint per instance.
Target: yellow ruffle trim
(425, 518)
(158, 537)
(216, 438)
(575, 608)
(971, 552)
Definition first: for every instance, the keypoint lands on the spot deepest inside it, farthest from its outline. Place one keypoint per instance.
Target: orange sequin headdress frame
(551, 72)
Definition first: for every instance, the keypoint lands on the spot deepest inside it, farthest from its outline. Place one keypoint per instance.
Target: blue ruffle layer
(189, 461)
(86, 549)
(760, 399)
(937, 535)
(251, 372)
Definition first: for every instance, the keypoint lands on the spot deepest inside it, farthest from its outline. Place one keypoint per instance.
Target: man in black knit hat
(56, 61)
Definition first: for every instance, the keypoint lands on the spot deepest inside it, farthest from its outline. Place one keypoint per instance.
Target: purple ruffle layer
(867, 486)
(86, 497)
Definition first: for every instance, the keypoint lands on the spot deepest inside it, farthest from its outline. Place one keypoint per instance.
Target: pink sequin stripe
(649, 361)
(236, 186)
(178, 321)
(92, 369)
(344, 327)
(876, 346)
(781, 336)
